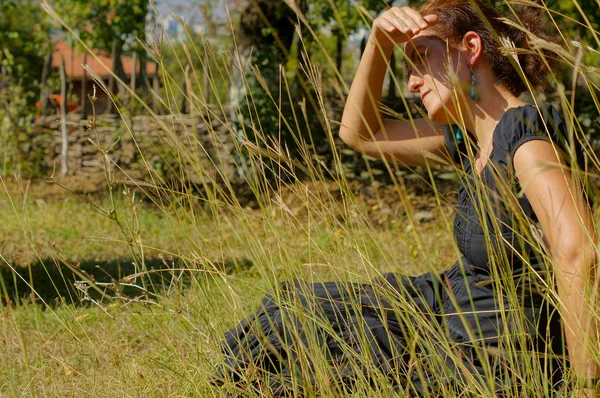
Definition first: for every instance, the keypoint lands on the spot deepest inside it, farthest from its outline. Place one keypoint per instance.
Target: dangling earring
(473, 94)
(458, 135)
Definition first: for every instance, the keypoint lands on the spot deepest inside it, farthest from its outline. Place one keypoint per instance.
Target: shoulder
(527, 123)
(559, 202)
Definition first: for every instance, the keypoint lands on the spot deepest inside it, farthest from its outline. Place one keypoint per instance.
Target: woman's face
(430, 71)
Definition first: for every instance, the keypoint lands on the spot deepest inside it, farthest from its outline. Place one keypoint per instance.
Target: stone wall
(142, 147)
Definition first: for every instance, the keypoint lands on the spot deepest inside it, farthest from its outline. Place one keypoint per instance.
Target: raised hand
(398, 25)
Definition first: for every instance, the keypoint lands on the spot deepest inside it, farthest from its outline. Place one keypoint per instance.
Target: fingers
(419, 20)
(404, 19)
(399, 24)
(388, 26)
(431, 19)
(408, 20)
(393, 25)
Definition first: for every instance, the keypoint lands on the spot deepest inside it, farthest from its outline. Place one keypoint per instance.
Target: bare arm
(567, 224)
(363, 127)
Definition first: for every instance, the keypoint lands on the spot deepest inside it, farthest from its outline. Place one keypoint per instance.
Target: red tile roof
(74, 62)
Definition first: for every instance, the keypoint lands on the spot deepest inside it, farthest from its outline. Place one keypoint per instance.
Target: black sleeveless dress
(425, 333)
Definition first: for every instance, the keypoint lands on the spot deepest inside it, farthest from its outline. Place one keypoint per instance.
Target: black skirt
(429, 333)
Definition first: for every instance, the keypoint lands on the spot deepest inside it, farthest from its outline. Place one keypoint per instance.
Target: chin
(438, 114)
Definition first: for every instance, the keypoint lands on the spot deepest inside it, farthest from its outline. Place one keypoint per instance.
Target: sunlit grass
(163, 337)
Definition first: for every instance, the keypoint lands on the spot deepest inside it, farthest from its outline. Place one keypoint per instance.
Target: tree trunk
(143, 76)
(84, 89)
(44, 85)
(111, 80)
(72, 57)
(120, 72)
(155, 88)
(132, 79)
(64, 169)
(339, 49)
(70, 84)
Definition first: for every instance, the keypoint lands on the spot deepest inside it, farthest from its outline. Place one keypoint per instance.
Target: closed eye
(417, 59)
(421, 56)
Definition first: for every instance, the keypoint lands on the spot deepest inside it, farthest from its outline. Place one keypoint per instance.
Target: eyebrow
(426, 42)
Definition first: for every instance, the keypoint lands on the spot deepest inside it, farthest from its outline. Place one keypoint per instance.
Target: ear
(473, 47)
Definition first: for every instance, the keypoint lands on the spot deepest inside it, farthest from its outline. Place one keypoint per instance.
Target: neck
(485, 113)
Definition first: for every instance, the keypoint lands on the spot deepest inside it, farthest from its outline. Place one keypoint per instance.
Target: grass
(44, 225)
(182, 264)
(133, 347)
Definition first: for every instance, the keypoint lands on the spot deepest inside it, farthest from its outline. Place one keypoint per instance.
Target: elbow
(345, 135)
(350, 138)
(355, 138)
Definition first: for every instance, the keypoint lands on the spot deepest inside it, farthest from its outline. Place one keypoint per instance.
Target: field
(217, 176)
(206, 273)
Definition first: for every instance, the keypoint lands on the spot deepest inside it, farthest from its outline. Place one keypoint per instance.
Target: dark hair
(457, 17)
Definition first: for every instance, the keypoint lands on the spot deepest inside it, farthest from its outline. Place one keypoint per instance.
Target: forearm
(577, 290)
(362, 116)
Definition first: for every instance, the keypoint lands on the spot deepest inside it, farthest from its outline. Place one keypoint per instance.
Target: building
(101, 65)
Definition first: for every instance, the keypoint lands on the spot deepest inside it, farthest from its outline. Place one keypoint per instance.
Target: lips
(423, 95)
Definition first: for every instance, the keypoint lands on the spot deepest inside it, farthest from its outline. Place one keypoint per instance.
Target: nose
(414, 83)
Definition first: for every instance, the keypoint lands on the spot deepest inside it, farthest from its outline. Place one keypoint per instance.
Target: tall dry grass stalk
(330, 239)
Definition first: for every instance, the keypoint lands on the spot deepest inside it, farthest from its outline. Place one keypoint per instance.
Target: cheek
(440, 90)
(440, 104)
(438, 78)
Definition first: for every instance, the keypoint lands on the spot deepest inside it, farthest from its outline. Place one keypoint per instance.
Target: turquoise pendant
(459, 135)
(473, 95)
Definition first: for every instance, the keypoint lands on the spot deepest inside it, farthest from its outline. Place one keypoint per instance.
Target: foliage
(580, 20)
(342, 14)
(165, 337)
(268, 41)
(22, 49)
(100, 22)
(265, 37)
(196, 53)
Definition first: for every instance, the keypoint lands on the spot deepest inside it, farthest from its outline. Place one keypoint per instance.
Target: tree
(100, 22)
(343, 18)
(106, 25)
(22, 47)
(24, 40)
(265, 37)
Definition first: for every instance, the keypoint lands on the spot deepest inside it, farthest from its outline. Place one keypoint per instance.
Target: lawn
(136, 305)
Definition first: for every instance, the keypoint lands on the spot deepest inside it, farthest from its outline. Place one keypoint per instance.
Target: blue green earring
(459, 135)
(473, 94)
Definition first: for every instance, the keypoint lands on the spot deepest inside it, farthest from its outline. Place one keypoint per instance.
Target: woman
(471, 329)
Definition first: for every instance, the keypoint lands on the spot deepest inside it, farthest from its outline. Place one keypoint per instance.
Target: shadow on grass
(56, 283)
